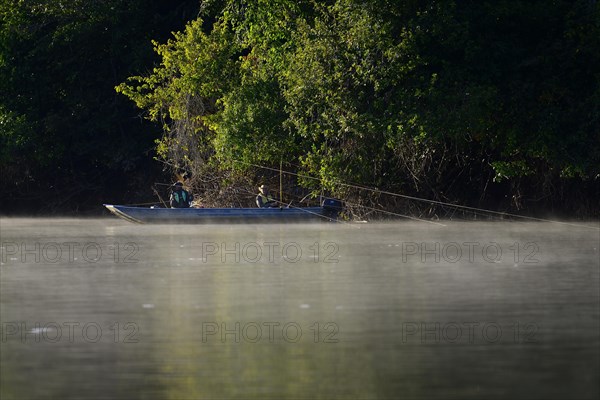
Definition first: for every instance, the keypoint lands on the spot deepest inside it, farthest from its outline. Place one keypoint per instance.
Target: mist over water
(101, 308)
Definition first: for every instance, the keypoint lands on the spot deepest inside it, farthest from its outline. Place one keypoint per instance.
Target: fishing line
(501, 213)
(395, 214)
(301, 208)
(357, 205)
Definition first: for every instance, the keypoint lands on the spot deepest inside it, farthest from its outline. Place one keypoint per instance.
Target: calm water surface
(106, 309)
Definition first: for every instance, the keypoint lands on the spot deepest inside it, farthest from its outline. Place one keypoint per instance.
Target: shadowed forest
(492, 104)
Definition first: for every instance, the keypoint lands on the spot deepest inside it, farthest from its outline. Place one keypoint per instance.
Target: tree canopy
(67, 140)
(405, 96)
(492, 102)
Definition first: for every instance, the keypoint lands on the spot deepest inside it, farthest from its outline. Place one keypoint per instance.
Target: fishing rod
(159, 196)
(381, 211)
(474, 209)
(300, 208)
(354, 204)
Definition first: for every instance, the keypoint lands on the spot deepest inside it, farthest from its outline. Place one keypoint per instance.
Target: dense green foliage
(480, 102)
(435, 98)
(67, 140)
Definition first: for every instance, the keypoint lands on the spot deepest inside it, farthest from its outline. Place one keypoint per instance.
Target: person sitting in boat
(264, 199)
(180, 198)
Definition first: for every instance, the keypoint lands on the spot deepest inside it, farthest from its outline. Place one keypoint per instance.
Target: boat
(328, 211)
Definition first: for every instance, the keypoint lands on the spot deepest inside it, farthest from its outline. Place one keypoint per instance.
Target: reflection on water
(107, 309)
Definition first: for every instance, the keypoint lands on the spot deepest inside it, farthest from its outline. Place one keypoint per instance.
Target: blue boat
(327, 212)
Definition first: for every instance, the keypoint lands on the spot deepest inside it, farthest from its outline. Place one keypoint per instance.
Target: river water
(100, 308)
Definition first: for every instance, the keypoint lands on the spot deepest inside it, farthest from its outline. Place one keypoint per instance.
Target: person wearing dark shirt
(180, 198)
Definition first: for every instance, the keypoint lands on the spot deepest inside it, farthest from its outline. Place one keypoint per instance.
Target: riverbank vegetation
(490, 104)
(68, 142)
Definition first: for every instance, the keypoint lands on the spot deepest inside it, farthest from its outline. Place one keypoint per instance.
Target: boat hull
(219, 215)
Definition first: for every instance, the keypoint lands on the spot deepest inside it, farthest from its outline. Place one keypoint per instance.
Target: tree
(67, 138)
(438, 99)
